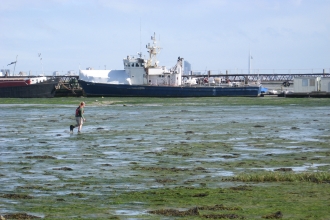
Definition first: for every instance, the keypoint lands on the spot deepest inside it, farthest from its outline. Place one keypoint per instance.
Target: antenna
(140, 40)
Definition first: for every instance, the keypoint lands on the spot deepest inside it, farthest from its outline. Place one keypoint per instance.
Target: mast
(140, 53)
(153, 51)
(250, 63)
(15, 65)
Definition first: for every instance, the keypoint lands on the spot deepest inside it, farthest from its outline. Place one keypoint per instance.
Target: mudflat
(173, 158)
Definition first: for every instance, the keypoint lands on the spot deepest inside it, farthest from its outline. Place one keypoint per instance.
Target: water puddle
(310, 167)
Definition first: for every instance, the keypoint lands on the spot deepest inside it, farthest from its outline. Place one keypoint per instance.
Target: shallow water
(133, 147)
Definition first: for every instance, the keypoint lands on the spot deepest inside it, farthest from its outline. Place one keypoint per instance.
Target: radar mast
(153, 51)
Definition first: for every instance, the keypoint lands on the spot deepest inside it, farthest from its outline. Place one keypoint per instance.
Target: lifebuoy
(286, 84)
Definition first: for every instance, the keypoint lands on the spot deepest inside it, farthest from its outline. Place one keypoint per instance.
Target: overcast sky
(210, 34)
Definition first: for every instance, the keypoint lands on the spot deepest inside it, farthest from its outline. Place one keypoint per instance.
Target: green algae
(294, 200)
(138, 158)
(234, 101)
(316, 177)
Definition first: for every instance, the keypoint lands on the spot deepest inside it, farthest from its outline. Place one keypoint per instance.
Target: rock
(283, 169)
(63, 168)
(275, 215)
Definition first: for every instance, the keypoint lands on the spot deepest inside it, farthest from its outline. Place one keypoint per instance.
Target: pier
(274, 81)
(259, 77)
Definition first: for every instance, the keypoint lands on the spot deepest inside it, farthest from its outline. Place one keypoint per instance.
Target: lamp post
(42, 68)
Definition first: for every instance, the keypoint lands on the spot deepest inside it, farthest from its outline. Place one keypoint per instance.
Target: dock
(308, 95)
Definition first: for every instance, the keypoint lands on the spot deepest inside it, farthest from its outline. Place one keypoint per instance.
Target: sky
(214, 35)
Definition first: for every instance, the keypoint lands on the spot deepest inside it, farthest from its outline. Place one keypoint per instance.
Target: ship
(146, 78)
(28, 87)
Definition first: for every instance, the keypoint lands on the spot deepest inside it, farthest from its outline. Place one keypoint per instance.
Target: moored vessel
(145, 78)
(28, 87)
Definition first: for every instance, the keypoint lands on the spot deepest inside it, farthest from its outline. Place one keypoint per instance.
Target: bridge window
(137, 65)
(304, 82)
(312, 82)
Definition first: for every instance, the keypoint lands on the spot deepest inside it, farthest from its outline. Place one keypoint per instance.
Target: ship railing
(46, 73)
(215, 81)
(219, 84)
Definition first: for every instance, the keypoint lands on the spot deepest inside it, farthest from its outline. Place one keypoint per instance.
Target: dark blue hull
(114, 90)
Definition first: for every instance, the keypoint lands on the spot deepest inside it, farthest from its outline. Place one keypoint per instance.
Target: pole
(42, 66)
(15, 66)
(250, 64)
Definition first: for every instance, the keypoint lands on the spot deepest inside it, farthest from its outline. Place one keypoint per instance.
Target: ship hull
(40, 90)
(120, 90)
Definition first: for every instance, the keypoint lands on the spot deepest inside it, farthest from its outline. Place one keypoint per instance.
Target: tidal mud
(129, 146)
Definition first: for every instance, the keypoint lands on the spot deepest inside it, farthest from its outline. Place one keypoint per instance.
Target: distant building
(186, 68)
(325, 84)
(4, 71)
(311, 84)
(306, 84)
(56, 73)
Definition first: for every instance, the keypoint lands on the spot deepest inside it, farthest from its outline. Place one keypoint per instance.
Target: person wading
(79, 117)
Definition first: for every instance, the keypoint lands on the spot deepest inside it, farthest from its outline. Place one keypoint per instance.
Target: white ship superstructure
(139, 71)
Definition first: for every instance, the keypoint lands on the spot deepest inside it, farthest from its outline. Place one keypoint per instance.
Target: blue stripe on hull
(102, 89)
